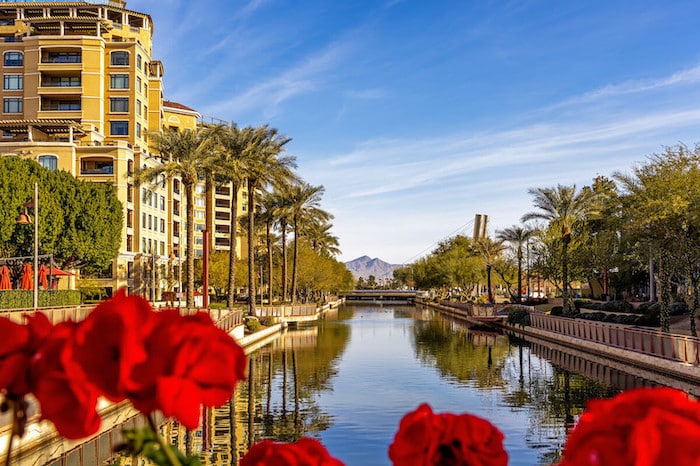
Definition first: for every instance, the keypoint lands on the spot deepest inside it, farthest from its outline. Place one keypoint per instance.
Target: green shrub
(252, 324)
(649, 320)
(23, 299)
(518, 316)
(617, 306)
(556, 310)
(678, 309)
(579, 303)
(597, 316)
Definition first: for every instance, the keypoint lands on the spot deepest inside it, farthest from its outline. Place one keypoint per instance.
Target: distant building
(81, 90)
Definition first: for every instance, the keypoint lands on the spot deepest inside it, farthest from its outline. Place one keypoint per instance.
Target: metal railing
(286, 311)
(674, 347)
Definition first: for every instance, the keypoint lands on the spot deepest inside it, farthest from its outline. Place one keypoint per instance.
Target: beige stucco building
(81, 90)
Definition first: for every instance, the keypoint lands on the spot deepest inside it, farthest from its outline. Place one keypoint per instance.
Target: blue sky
(416, 115)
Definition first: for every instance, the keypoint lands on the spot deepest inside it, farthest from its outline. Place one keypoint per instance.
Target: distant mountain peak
(365, 266)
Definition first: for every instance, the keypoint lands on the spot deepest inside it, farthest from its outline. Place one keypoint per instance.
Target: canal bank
(674, 357)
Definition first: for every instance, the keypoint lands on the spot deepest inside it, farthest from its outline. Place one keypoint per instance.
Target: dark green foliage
(579, 303)
(597, 316)
(649, 320)
(678, 309)
(79, 222)
(22, 299)
(252, 324)
(617, 306)
(144, 442)
(518, 316)
(648, 308)
(556, 310)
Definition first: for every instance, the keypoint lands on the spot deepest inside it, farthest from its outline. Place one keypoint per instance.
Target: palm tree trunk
(189, 196)
(295, 259)
(251, 247)
(232, 252)
(519, 299)
(565, 273)
(268, 227)
(283, 226)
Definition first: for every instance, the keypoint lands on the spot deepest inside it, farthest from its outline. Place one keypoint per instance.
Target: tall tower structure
(481, 226)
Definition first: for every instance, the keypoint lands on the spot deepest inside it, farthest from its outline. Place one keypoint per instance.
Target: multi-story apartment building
(81, 90)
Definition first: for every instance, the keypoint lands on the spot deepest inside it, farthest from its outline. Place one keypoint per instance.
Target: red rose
(305, 452)
(110, 342)
(66, 397)
(191, 363)
(425, 439)
(18, 343)
(645, 426)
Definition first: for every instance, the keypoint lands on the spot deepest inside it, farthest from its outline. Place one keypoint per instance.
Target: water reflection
(349, 380)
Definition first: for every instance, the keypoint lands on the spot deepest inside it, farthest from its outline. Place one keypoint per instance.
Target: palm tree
(489, 250)
(320, 238)
(565, 210)
(265, 166)
(231, 167)
(305, 200)
(280, 205)
(185, 154)
(517, 236)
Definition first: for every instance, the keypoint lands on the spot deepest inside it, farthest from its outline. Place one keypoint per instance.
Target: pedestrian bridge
(381, 296)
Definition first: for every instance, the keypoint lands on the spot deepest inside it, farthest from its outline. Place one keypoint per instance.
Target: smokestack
(481, 226)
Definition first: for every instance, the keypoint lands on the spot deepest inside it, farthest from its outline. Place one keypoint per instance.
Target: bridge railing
(286, 311)
(654, 343)
(55, 314)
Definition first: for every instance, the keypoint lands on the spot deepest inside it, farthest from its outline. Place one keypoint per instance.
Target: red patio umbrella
(27, 277)
(43, 272)
(5, 283)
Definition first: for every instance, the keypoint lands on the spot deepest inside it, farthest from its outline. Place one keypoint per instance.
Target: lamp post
(488, 282)
(24, 219)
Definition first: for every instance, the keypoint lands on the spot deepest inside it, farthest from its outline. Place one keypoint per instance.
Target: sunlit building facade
(81, 91)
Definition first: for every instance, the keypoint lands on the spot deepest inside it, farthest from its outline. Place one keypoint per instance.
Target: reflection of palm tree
(251, 401)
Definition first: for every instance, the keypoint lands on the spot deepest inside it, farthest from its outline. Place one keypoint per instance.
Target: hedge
(23, 299)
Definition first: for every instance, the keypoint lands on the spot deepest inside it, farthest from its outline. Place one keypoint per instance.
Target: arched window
(119, 58)
(48, 161)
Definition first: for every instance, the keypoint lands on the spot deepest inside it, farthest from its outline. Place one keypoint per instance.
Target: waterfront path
(675, 355)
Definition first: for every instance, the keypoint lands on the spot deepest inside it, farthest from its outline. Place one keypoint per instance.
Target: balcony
(96, 166)
(62, 57)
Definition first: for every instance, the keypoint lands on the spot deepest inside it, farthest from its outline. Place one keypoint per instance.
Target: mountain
(365, 266)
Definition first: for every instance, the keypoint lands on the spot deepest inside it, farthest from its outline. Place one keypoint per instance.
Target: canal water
(348, 381)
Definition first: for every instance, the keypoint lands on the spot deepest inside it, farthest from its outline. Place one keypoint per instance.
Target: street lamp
(25, 219)
(488, 282)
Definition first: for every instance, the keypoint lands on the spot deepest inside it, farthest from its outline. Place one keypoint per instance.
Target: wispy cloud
(268, 95)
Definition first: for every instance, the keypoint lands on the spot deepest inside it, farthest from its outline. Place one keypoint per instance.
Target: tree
(517, 236)
(265, 166)
(230, 166)
(661, 210)
(186, 155)
(566, 211)
(304, 207)
(320, 237)
(80, 222)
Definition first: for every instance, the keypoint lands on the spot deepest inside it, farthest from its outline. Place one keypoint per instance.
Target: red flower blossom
(18, 343)
(425, 439)
(646, 426)
(190, 363)
(305, 452)
(110, 342)
(66, 397)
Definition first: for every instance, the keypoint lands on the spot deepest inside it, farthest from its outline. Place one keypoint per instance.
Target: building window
(199, 202)
(129, 243)
(162, 203)
(119, 81)
(61, 81)
(14, 59)
(199, 214)
(12, 105)
(13, 82)
(138, 84)
(138, 130)
(162, 225)
(129, 218)
(119, 58)
(144, 245)
(119, 128)
(48, 161)
(139, 61)
(62, 57)
(119, 104)
(138, 107)
(143, 220)
(150, 222)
